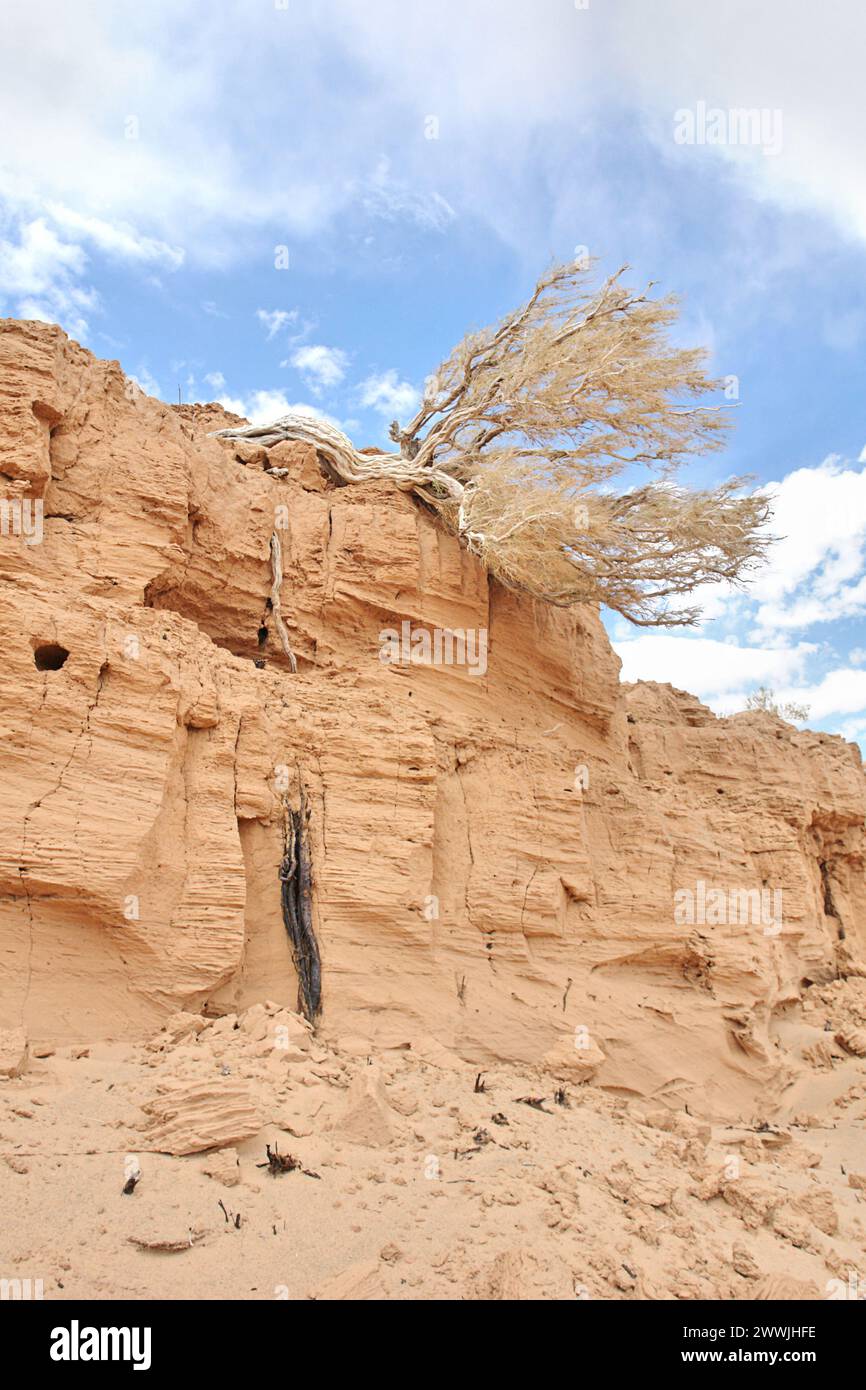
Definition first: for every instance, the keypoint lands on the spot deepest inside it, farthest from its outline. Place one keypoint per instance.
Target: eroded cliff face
(496, 855)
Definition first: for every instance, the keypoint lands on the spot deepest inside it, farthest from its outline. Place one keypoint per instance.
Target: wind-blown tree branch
(521, 431)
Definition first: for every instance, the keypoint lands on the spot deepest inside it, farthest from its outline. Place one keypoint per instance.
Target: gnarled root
(296, 895)
(276, 608)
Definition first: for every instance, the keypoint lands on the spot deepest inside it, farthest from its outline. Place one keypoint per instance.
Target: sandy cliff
(644, 925)
(496, 852)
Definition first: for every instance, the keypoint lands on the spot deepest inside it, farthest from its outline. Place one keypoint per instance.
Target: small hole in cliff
(49, 656)
(263, 635)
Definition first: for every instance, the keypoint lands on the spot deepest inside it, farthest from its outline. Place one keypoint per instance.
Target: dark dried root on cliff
(296, 894)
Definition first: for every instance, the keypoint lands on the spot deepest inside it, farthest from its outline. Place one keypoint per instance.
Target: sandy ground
(424, 1187)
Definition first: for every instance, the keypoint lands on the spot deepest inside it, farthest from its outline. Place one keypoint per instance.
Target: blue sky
(421, 164)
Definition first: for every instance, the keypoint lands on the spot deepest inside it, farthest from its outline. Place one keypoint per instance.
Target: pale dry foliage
(523, 429)
(765, 700)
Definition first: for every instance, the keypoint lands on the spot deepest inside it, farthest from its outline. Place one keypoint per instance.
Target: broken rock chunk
(13, 1051)
(573, 1058)
(366, 1118)
(192, 1118)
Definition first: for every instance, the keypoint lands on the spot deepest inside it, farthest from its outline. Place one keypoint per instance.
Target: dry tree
(764, 699)
(522, 430)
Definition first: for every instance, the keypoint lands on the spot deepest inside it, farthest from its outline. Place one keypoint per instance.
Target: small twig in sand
(277, 1163)
(231, 1219)
(536, 1102)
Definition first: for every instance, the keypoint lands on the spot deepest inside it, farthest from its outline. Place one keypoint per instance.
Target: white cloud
(839, 692)
(386, 393)
(854, 730)
(322, 367)
(723, 675)
(146, 382)
(715, 670)
(275, 319)
(573, 66)
(43, 263)
(38, 274)
(216, 380)
(234, 404)
(814, 575)
(261, 407)
(144, 133)
(32, 266)
(815, 571)
(115, 239)
(383, 196)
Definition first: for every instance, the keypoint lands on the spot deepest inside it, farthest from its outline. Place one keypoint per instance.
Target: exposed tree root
(296, 884)
(276, 609)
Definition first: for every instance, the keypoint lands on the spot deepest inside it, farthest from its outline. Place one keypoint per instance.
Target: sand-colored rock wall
(497, 847)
